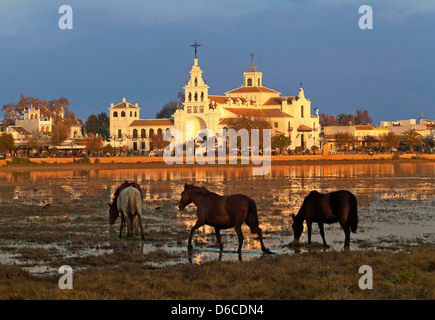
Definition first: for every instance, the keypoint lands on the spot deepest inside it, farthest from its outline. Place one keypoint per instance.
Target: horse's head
(113, 212)
(298, 227)
(186, 197)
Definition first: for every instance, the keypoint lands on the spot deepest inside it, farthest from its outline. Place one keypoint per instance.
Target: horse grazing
(127, 202)
(338, 206)
(222, 212)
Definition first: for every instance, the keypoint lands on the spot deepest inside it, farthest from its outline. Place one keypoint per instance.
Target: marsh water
(49, 218)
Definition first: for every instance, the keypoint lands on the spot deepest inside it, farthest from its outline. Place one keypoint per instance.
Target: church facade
(289, 115)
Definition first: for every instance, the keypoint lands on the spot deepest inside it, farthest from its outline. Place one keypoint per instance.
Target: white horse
(128, 203)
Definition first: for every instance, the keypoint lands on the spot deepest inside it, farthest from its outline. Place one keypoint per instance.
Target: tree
(344, 140)
(390, 140)
(6, 142)
(280, 141)
(157, 142)
(169, 108)
(345, 119)
(93, 143)
(362, 118)
(98, 124)
(48, 109)
(326, 120)
(412, 138)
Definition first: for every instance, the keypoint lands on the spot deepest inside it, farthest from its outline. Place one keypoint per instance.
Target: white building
(289, 115)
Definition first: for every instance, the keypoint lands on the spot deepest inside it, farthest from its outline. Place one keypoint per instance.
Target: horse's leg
(260, 236)
(346, 230)
(129, 220)
(240, 236)
(322, 233)
(309, 231)
(122, 224)
(218, 237)
(139, 221)
(196, 226)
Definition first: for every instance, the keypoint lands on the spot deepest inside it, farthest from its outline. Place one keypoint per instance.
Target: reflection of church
(289, 115)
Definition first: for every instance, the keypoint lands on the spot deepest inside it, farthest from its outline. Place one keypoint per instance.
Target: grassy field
(313, 275)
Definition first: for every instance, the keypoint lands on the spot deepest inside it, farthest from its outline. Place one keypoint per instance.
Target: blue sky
(140, 50)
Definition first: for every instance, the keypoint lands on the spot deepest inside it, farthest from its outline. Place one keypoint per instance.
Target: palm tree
(412, 138)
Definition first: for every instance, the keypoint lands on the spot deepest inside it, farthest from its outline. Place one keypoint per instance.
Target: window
(201, 109)
(115, 114)
(259, 83)
(276, 124)
(302, 111)
(190, 96)
(151, 132)
(119, 133)
(195, 109)
(135, 114)
(134, 133)
(202, 96)
(143, 134)
(196, 81)
(189, 109)
(143, 146)
(196, 96)
(131, 113)
(159, 131)
(123, 114)
(249, 82)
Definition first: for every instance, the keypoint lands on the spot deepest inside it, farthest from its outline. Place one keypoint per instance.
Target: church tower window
(249, 82)
(259, 82)
(202, 96)
(196, 81)
(115, 114)
(196, 96)
(190, 96)
(302, 111)
(123, 114)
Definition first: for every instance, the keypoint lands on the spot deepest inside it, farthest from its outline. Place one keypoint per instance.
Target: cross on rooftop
(196, 45)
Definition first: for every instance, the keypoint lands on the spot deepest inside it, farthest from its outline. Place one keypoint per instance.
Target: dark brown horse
(222, 212)
(114, 211)
(339, 206)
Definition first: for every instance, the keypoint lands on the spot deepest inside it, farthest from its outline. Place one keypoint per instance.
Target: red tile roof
(256, 112)
(304, 127)
(151, 122)
(124, 105)
(277, 100)
(252, 89)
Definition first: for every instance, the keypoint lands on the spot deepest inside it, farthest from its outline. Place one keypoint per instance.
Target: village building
(289, 115)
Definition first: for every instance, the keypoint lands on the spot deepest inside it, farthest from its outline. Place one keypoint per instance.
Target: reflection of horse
(222, 212)
(127, 201)
(339, 206)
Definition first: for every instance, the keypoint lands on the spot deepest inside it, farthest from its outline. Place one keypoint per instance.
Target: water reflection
(384, 190)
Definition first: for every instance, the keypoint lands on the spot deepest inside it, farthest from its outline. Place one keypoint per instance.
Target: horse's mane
(123, 186)
(203, 190)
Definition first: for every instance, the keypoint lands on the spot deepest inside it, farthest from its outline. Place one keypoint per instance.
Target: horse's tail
(353, 213)
(252, 218)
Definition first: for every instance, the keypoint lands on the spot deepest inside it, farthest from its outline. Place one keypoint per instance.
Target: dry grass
(328, 275)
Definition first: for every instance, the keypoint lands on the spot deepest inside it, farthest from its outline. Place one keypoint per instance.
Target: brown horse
(339, 206)
(222, 212)
(114, 209)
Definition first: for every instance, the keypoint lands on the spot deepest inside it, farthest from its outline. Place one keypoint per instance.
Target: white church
(289, 115)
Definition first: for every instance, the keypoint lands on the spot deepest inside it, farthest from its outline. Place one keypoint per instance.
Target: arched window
(42, 129)
(259, 83)
(115, 114)
(123, 114)
(196, 96)
(134, 133)
(196, 81)
(36, 116)
(159, 131)
(151, 132)
(249, 82)
(302, 111)
(135, 114)
(190, 96)
(31, 116)
(202, 96)
(131, 113)
(143, 133)
(195, 109)
(201, 109)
